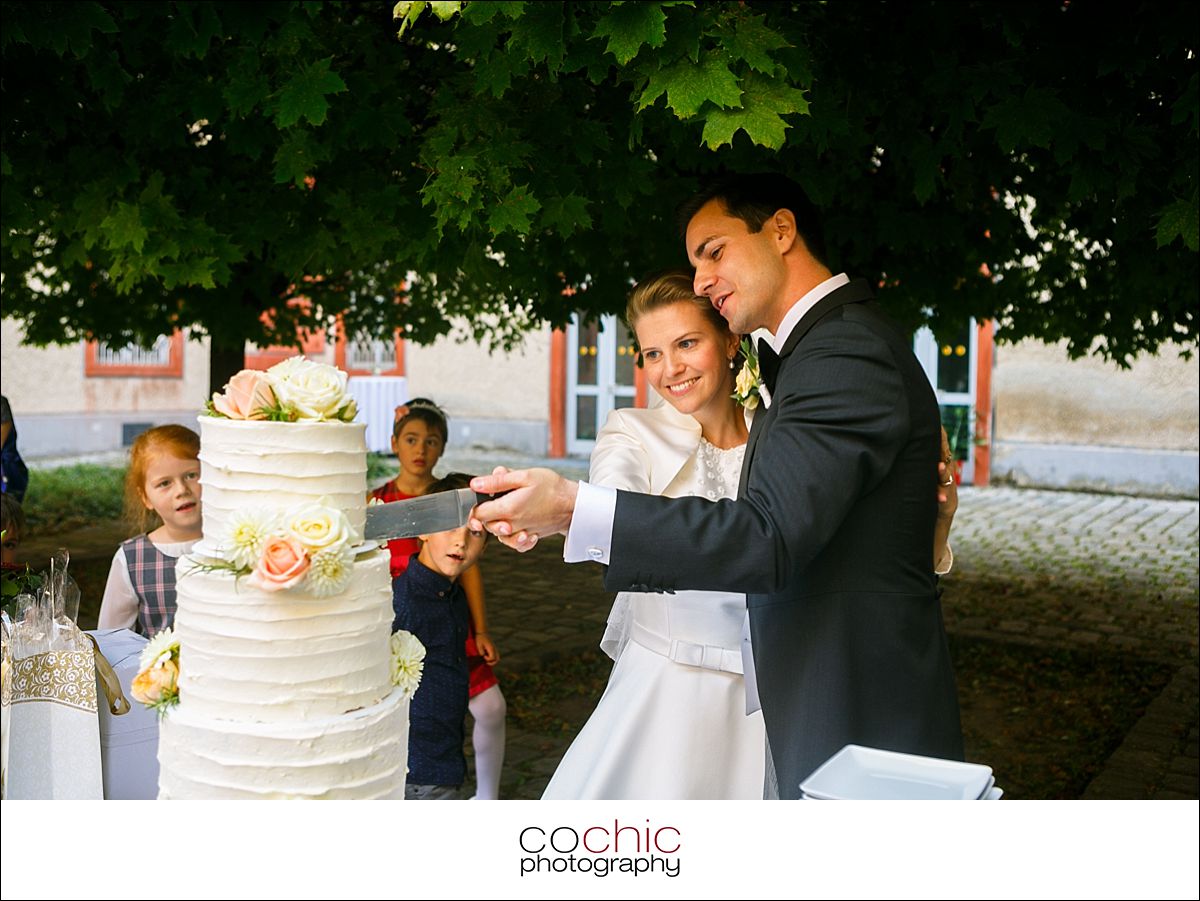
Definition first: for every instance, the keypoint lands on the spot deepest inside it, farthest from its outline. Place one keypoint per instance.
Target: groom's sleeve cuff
(590, 534)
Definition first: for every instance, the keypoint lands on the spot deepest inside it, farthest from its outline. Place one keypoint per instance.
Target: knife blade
(422, 515)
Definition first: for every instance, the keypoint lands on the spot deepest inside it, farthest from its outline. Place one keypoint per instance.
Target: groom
(831, 531)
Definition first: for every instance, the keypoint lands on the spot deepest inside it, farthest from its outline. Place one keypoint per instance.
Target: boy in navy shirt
(429, 603)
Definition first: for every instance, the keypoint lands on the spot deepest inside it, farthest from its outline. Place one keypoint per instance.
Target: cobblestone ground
(1097, 571)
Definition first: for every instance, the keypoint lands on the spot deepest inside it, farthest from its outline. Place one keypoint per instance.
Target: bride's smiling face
(685, 357)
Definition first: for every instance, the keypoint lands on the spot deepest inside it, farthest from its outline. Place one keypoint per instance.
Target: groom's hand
(539, 502)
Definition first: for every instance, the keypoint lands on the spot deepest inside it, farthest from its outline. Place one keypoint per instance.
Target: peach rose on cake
(314, 391)
(247, 396)
(158, 683)
(283, 564)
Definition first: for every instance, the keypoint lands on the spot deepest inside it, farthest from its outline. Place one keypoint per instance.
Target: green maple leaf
(304, 94)
(485, 12)
(541, 34)
(452, 193)
(74, 26)
(631, 25)
(1032, 119)
(753, 41)
(124, 227)
(196, 271)
(566, 215)
(688, 86)
(108, 77)
(247, 88)
(765, 102)
(515, 212)
(1179, 220)
(192, 29)
(925, 162)
(294, 159)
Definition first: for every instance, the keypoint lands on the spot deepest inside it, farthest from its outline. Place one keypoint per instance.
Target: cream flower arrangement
(408, 661)
(310, 547)
(157, 683)
(294, 390)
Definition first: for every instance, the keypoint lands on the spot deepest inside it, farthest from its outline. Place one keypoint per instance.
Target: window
(164, 359)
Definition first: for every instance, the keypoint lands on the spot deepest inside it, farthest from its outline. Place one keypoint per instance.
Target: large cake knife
(422, 515)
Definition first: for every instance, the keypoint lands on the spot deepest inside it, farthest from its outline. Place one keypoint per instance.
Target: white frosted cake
(285, 688)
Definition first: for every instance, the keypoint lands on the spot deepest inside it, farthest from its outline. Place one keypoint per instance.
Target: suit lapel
(857, 291)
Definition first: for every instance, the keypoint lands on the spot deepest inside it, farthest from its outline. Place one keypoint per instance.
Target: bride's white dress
(672, 722)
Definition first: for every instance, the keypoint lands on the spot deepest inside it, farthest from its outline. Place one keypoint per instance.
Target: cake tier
(272, 466)
(273, 657)
(354, 756)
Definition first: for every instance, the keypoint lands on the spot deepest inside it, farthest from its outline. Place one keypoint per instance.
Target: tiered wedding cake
(289, 685)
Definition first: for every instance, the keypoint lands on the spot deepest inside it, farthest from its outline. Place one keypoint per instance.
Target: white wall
(1043, 396)
(1086, 423)
(492, 399)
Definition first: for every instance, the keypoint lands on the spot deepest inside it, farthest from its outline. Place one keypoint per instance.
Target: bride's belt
(689, 653)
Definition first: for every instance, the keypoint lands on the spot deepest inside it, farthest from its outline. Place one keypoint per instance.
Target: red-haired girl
(162, 487)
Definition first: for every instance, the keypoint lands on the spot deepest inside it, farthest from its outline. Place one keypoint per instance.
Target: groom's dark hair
(754, 199)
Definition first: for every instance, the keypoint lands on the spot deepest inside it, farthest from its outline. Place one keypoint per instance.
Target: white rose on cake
(313, 392)
(319, 526)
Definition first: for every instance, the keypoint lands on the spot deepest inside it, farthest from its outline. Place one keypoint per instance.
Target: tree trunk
(224, 362)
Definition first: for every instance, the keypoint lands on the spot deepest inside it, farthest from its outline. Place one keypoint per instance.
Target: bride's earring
(731, 362)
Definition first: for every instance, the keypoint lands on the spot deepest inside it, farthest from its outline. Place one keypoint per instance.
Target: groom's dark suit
(831, 537)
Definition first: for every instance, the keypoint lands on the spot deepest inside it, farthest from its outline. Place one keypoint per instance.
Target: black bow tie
(768, 364)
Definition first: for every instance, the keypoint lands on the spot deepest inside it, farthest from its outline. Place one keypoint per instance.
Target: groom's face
(742, 273)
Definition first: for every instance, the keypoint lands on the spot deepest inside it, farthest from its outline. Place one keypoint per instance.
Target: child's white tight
(489, 709)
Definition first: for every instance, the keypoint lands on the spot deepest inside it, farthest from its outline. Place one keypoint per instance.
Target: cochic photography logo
(601, 850)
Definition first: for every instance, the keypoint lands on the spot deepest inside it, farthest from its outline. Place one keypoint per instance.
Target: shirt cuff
(946, 563)
(590, 534)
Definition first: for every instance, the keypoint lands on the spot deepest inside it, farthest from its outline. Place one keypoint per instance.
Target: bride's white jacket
(640, 450)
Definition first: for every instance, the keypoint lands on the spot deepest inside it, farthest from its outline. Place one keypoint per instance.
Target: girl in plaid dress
(162, 487)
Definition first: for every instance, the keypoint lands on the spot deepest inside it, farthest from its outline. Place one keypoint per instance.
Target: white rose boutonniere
(749, 387)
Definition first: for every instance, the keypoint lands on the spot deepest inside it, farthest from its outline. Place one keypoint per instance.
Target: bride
(672, 722)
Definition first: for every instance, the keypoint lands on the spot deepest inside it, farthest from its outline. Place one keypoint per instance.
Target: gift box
(129, 740)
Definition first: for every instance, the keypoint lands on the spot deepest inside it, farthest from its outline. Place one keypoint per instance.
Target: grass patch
(1045, 720)
(380, 468)
(68, 497)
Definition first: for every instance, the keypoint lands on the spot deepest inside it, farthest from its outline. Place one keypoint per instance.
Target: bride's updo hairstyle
(669, 287)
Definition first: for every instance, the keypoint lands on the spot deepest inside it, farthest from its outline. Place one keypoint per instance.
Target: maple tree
(183, 164)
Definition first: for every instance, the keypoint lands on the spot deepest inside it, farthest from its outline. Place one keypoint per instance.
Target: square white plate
(869, 774)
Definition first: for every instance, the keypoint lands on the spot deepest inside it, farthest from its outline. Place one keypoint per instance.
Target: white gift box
(54, 748)
(129, 742)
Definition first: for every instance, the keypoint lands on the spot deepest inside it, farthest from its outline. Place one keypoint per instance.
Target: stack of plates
(868, 774)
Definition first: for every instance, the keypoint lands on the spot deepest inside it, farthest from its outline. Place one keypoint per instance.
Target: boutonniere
(749, 387)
